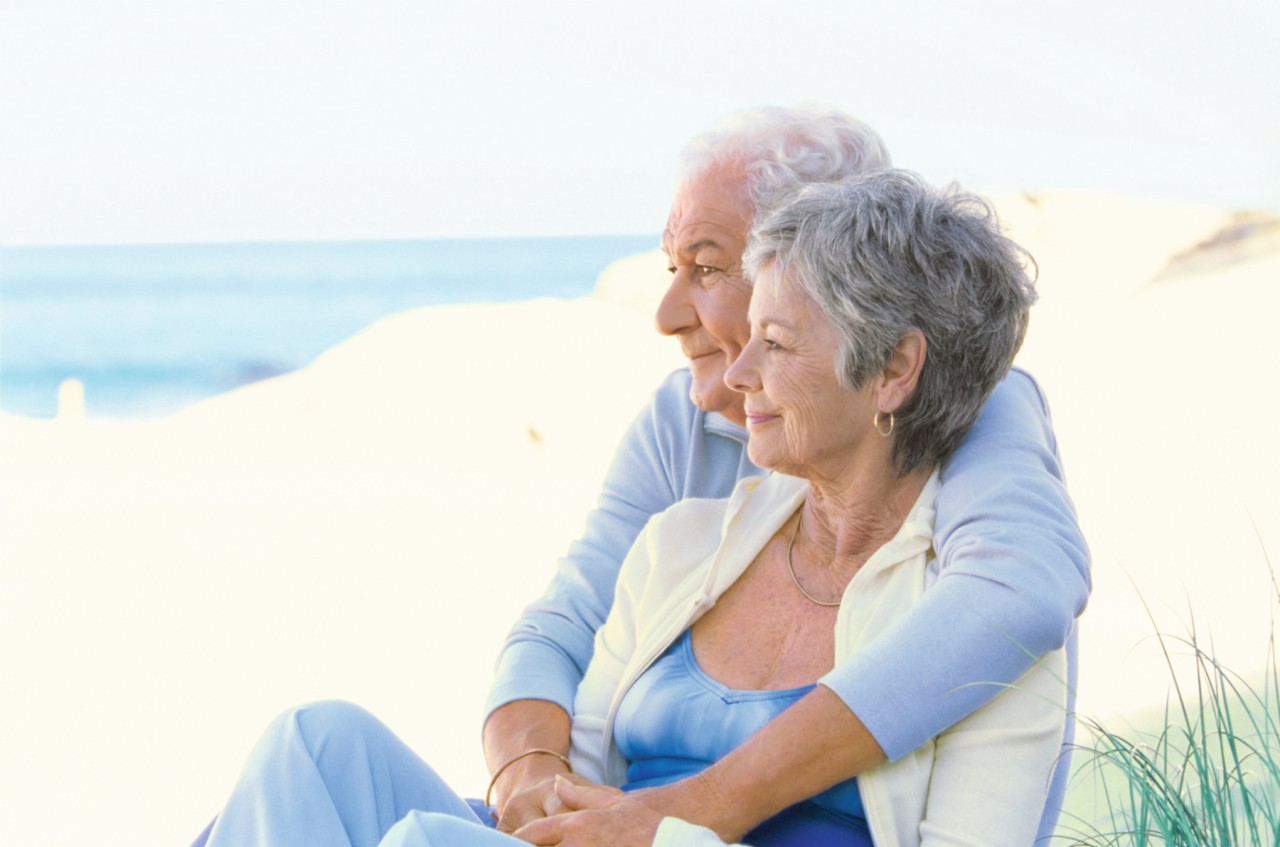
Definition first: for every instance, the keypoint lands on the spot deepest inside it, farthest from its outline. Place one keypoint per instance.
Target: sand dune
(367, 528)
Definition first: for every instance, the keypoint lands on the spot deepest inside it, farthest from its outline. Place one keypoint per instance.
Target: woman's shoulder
(752, 494)
(688, 532)
(693, 520)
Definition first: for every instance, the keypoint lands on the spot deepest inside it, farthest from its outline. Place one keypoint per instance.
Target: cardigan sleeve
(615, 644)
(656, 596)
(674, 832)
(992, 771)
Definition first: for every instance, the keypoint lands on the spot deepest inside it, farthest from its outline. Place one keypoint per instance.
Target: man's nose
(676, 313)
(742, 376)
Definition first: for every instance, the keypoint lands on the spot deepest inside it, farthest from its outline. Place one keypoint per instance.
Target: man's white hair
(781, 149)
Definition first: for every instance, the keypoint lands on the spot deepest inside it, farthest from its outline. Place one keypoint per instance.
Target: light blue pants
(331, 775)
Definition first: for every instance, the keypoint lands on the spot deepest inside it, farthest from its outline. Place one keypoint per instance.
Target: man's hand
(598, 816)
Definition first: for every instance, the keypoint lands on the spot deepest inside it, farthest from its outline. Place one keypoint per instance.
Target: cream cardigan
(983, 782)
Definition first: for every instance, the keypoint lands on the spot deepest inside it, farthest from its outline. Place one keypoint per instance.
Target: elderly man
(1015, 569)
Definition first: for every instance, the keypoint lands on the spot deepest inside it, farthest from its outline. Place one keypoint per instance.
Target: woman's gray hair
(885, 254)
(781, 149)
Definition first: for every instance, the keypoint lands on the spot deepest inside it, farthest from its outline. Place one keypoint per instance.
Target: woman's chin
(764, 458)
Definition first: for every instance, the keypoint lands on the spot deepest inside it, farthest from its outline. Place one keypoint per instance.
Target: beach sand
(367, 528)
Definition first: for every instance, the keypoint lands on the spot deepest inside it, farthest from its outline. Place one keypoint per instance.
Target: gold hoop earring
(876, 422)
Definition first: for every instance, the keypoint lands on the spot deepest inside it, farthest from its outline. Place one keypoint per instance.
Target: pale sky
(164, 120)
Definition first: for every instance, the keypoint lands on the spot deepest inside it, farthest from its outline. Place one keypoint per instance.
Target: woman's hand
(534, 796)
(529, 803)
(597, 816)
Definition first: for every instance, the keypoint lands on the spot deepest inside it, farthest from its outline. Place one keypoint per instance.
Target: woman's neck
(844, 525)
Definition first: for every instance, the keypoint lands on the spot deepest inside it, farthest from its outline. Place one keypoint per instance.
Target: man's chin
(717, 398)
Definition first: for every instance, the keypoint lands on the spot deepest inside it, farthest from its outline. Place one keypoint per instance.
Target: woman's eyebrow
(771, 321)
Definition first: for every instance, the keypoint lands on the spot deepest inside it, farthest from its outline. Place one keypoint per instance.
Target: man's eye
(704, 270)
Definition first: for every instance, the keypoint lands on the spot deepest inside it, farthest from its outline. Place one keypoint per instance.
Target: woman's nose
(676, 312)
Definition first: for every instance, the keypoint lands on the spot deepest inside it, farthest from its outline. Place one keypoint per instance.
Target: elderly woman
(883, 313)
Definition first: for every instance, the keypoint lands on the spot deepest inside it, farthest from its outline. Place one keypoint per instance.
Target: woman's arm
(776, 768)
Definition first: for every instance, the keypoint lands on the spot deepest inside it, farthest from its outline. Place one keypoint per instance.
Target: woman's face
(802, 421)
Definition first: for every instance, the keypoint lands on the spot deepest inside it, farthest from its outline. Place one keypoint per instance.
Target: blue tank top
(676, 720)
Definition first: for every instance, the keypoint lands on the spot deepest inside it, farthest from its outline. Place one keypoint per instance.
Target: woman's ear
(899, 378)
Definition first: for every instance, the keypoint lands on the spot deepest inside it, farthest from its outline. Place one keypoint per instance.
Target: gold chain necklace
(795, 533)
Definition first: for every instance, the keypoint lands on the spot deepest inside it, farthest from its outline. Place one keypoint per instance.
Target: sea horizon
(151, 328)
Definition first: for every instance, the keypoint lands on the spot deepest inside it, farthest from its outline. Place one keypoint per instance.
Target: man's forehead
(691, 233)
(710, 211)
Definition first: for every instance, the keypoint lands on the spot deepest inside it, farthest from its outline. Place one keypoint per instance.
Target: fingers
(543, 831)
(578, 794)
(516, 814)
(545, 799)
(615, 821)
(536, 802)
(555, 822)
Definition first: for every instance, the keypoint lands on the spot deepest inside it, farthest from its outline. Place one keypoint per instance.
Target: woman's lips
(759, 420)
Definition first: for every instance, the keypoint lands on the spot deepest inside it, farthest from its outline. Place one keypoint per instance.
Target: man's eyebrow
(696, 246)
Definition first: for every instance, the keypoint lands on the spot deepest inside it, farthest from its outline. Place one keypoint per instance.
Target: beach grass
(1204, 771)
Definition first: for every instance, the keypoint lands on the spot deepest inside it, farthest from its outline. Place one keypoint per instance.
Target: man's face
(706, 305)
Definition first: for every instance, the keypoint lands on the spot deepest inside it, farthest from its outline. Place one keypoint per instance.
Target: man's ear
(900, 376)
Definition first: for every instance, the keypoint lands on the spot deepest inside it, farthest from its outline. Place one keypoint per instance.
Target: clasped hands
(570, 811)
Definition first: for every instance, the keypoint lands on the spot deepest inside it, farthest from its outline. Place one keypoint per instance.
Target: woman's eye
(703, 270)
(770, 344)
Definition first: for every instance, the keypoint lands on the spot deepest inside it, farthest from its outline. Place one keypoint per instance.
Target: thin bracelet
(489, 791)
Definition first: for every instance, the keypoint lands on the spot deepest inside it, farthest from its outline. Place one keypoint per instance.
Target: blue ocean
(149, 329)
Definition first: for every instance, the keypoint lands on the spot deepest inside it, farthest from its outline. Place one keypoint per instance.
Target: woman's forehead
(776, 296)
